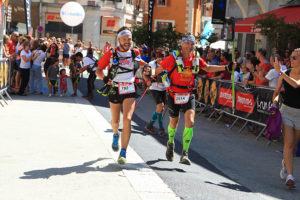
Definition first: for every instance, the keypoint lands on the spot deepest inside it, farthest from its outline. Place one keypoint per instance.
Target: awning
(291, 14)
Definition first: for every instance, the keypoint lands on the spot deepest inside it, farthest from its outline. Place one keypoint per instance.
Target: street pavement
(59, 148)
(225, 164)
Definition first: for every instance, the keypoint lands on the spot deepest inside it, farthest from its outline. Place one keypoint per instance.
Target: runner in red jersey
(182, 68)
(123, 58)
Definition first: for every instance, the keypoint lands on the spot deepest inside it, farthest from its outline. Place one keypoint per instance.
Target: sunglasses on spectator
(293, 57)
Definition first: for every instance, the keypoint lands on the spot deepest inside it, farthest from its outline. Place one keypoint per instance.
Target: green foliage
(280, 34)
(213, 38)
(160, 39)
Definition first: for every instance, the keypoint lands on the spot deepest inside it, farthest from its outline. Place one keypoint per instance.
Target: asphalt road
(225, 164)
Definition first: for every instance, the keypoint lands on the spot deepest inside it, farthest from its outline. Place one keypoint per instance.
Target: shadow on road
(79, 169)
(235, 187)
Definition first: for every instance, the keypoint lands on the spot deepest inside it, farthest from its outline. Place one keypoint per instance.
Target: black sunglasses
(293, 57)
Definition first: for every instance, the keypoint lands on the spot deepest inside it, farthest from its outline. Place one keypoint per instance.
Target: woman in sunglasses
(290, 111)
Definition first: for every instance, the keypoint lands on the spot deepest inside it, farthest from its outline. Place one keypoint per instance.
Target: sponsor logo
(225, 97)
(245, 102)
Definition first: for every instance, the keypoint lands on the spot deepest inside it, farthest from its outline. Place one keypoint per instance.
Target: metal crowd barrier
(251, 102)
(5, 76)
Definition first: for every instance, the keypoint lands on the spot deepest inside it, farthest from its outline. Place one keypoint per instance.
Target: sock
(160, 118)
(154, 118)
(172, 133)
(123, 153)
(187, 138)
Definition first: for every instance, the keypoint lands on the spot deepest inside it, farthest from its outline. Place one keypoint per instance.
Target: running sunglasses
(293, 57)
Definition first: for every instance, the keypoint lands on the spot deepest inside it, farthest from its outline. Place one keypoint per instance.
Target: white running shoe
(283, 172)
(290, 181)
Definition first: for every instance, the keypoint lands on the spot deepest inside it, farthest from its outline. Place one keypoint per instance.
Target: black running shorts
(174, 109)
(159, 96)
(119, 98)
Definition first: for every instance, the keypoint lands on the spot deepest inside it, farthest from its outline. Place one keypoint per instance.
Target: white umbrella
(221, 44)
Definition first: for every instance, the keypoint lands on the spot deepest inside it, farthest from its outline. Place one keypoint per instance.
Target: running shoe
(290, 181)
(150, 129)
(283, 172)
(184, 159)
(161, 132)
(115, 144)
(170, 151)
(122, 157)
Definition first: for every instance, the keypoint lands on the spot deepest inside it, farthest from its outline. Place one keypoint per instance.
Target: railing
(5, 75)
(251, 102)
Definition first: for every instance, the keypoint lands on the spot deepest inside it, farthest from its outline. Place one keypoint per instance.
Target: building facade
(184, 15)
(241, 9)
(102, 18)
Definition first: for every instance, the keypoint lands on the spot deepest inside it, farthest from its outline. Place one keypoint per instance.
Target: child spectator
(51, 77)
(74, 74)
(63, 82)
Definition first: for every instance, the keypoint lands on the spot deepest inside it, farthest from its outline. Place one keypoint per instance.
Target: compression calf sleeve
(154, 118)
(172, 133)
(160, 120)
(187, 138)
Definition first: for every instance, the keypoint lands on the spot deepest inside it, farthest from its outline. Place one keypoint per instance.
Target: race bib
(181, 98)
(126, 88)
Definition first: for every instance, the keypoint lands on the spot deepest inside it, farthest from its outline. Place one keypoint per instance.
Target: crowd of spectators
(30, 55)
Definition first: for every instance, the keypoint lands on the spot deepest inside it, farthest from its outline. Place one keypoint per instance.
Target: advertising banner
(250, 102)
(27, 6)
(150, 19)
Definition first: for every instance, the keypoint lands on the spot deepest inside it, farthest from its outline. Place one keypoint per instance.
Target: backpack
(95, 65)
(273, 130)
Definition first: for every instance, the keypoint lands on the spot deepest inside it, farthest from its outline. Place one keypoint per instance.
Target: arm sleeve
(168, 63)
(105, 60)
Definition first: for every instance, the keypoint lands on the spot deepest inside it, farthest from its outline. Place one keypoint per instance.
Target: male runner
(182, 67)
(158, 91)
(124, 57)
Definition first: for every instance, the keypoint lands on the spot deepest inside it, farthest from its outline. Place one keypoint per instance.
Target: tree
(161, 38)
(280, 34)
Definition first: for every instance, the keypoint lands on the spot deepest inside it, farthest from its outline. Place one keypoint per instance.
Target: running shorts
(75, 80)
(174, 109)
(159, 96)
(119, 98)
(290, 116)
(53, 83)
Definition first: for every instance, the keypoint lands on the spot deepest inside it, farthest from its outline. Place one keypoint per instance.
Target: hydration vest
(179, 64)
(116, 62)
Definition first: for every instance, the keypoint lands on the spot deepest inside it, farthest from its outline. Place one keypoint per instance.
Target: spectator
(252, 54)
(286, 58)
(13, 43)
(51, 53)
(225, 60)
(52, 76)
(39, 56)
(25, 65)
(260, 75)
(66, 53)
(246, 74)
(264, 63)
(5, 46)
(107, 47)
(251, 66)
(19, 48)
(63, 85)
(75, 72)
(146, 57)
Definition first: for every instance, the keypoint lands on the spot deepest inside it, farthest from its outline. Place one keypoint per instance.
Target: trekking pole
(140, 99)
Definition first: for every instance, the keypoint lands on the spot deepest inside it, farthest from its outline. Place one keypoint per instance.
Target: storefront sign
(110, 25)
(53, 17)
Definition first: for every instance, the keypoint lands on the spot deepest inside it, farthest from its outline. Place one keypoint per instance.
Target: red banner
(225, 97)
(245, 102)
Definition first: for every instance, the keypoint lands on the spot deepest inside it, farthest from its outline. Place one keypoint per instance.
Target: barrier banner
(250, 102)
(4, 73)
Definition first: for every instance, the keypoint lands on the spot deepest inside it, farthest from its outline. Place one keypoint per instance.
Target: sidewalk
(60, 148)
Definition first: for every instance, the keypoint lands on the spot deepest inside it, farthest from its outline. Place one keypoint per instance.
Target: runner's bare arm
(277, 91)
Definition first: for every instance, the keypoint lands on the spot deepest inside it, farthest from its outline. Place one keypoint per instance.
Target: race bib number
(126, 88)
(181, 98)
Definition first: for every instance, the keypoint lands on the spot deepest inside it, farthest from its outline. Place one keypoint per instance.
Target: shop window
(130, 2)
(161, 24)
(162, 2)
